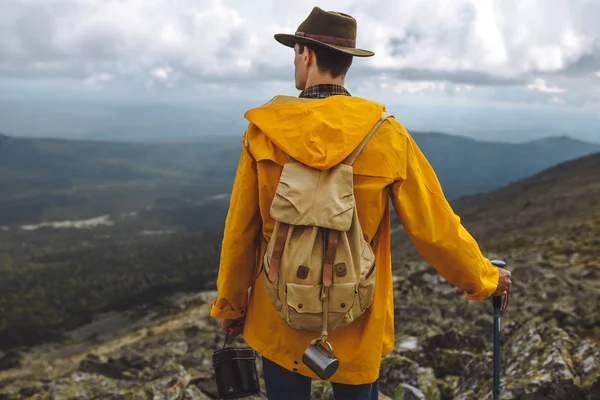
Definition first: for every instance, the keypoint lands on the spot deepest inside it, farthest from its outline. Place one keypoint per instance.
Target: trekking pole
(498, 313)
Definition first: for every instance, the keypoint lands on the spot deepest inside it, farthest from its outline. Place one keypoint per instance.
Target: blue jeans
(282, 384)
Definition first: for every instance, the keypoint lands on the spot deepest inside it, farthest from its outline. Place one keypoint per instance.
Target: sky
(504, 70)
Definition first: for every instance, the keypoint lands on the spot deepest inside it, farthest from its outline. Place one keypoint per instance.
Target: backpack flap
(309, 197)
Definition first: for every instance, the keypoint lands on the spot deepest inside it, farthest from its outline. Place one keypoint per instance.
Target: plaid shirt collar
(323, 91)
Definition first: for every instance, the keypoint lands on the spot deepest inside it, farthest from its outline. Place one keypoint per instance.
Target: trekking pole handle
(497, 300)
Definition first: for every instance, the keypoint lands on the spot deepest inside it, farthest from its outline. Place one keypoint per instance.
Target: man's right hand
(232, 327)
(503, 283)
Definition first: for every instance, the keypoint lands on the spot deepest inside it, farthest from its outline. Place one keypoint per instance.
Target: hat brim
(290, 40)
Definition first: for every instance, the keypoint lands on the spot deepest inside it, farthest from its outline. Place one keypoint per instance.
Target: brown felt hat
(334, 30)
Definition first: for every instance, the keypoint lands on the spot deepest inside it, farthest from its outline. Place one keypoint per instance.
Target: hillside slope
(550, 335)
(556, 211)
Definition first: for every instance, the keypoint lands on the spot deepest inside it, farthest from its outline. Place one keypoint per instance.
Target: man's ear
(309, 56)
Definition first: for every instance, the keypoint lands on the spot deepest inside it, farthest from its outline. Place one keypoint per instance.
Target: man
(321, 128)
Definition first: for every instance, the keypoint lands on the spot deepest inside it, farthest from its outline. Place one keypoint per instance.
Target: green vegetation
(52, 292)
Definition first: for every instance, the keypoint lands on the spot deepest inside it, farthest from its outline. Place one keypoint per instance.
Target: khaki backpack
(319, 269)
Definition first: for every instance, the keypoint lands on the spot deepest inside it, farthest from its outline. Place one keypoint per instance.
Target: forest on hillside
(43, 295)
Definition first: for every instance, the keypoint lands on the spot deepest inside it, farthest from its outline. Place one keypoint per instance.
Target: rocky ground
(550, 345)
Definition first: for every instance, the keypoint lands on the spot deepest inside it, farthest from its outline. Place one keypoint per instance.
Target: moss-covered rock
(395, 370)
(538, 359)
(448, 386)
(321, 390)
(427, 383)
(443, 346)
(407, 392)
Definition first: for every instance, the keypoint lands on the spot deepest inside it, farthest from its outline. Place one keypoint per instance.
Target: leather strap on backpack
(278, 251)
(332, 243)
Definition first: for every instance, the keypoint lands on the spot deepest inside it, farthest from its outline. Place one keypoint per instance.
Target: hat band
(329, 39)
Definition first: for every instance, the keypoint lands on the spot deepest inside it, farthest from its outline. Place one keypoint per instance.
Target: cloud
(541, 85)
(213, 44)
(98, 79)
(162, 73)
(470, 77)
(415, 87)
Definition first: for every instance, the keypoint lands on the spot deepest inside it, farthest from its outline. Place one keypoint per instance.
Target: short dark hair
(331, 61)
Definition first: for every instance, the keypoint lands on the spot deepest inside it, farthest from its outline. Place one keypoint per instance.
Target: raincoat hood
(317, 132)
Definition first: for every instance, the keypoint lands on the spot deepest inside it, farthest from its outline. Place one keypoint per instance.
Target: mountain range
(56, 179)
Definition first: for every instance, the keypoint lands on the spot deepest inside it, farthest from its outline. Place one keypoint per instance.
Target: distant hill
(556, 211)
(53, 179)
(465, 166)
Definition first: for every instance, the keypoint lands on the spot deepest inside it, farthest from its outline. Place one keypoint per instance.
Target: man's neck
(324, 80)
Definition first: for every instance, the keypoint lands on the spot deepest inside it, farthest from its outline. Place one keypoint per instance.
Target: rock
(192, 331)
(321, 390)
(405, 391)
(135, 360)
(443, 347)
(427, 383)
(193, 393)
(409, 343)
(586, 360)
(446, 361)
(208, 386)
(539, 360)
(108, 367)
(9, 359)
(395, 370)
(448, 386)
(11, 392)
(454, 340)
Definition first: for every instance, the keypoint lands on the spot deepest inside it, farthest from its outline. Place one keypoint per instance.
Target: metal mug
(320, 360)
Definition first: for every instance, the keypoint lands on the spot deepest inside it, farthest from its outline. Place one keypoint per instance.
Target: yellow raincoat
(321, 133)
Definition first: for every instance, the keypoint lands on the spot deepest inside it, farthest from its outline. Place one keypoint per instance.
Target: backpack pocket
(342, 298)
(304, 307)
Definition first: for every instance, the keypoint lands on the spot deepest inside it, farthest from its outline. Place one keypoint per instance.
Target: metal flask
(321, 360)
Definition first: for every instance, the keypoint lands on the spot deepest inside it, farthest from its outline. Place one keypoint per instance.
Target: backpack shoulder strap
(352, 157)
